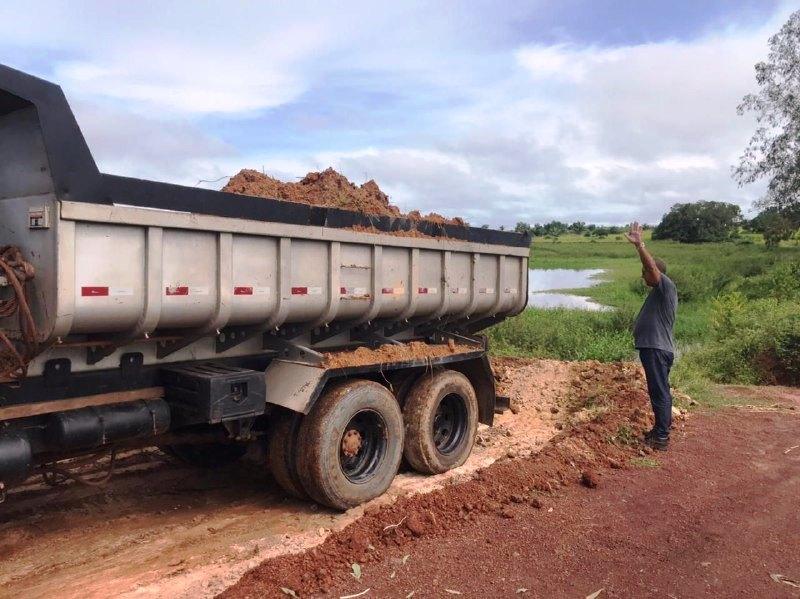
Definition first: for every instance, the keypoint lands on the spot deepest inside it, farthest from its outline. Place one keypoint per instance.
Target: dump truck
(136, 313)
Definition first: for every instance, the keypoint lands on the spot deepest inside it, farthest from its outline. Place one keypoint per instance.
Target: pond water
(543, 283)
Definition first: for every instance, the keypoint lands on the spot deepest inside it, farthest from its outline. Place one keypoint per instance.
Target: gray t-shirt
(656, 319)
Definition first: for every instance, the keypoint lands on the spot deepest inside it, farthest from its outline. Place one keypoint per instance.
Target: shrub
(756, 342)
(781, 281)
(693, 283)
(787, 353)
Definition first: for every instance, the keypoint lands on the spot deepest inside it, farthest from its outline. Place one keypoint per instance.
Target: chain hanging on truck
(16, 354)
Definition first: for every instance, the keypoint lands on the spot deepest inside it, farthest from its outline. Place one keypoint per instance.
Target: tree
(555, 228)
(777, 228)
(577, 227)
(774, 149)
(522, 227)
(776, 225)
(699, 221)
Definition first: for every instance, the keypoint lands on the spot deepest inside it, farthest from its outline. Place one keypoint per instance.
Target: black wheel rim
(363, 446)
(450, 423)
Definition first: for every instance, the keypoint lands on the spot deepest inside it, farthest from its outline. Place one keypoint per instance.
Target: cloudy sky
(597, 110)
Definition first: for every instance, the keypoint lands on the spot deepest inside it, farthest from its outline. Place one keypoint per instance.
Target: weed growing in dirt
(625, 436)
(643, 462)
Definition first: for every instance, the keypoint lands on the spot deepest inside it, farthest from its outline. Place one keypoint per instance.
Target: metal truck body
(133, 276)
(115, 275)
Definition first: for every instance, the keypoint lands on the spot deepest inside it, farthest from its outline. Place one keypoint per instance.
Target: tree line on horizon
(691, 222)
(556, 228)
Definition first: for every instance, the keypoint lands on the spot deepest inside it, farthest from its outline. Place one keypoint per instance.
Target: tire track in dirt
(162, 529)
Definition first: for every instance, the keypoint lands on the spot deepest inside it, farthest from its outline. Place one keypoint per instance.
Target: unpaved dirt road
(716, 516)
(162, 529)
(592, 514)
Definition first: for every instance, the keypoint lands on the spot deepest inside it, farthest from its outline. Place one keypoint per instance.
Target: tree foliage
(774, 150)
(776, 225)
(699, 222)
(556, 228)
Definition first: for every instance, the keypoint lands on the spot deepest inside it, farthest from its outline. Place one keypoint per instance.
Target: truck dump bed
(166, 273)
(136, 313)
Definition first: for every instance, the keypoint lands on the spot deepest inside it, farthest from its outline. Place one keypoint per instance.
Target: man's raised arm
(651, 273)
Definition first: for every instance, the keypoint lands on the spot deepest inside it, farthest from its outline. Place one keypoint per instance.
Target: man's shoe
(658, 443)
(651, 434)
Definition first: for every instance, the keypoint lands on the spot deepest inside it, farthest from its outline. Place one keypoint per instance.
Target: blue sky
(497, 111)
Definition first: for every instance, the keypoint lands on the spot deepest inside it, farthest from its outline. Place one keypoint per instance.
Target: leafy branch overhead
(774, 150)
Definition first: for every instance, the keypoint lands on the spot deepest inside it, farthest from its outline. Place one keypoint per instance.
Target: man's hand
(650, 271)
(635, 234)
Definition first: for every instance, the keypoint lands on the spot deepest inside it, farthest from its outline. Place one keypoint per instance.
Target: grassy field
(738, 316)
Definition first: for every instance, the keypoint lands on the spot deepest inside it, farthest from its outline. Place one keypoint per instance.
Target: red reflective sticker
(388, 290)
(242, 291)
(299, 290)
(177, 291)
(422, 290)
(94, 291)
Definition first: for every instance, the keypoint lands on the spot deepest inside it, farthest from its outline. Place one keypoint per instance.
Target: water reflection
(542, 283)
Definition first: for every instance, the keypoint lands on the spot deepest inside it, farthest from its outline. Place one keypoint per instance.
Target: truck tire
(441, 420)
(400, 384)
(352, 444)
(206, 455)
(282, 449)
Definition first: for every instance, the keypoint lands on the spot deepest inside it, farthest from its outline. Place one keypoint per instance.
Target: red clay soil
(715, 516)
(328, 188)
(414, 350)
(384, 535)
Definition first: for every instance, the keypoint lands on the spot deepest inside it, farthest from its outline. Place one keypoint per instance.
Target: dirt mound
(606, 439)
(330, 189)
(392, 353)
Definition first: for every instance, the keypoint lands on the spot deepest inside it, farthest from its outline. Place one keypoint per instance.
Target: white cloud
(194, 78)
(562, 62)
(503, 134)
(683, 162)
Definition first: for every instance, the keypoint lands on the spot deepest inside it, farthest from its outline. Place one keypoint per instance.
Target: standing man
(652, 334)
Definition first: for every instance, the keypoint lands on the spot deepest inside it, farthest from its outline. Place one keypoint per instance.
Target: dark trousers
(657, 364)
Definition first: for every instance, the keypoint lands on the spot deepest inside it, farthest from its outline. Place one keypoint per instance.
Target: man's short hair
(662, 266)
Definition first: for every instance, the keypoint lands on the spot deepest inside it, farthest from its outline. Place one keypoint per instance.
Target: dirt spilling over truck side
(329, 189)
(415, 350)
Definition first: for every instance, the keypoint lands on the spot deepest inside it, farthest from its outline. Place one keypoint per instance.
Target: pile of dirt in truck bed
(330, 189)
(606, 408)
(415, 350)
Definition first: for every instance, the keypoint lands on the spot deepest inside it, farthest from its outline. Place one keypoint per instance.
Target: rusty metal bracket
(293, 351)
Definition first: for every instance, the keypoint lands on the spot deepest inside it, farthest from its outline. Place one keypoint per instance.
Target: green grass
(625, 436)
(737, 307)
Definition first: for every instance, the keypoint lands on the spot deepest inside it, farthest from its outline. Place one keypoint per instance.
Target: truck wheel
(282, 452)
(400, 384)
(206, 455)
(441, 420)
(352, 444)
